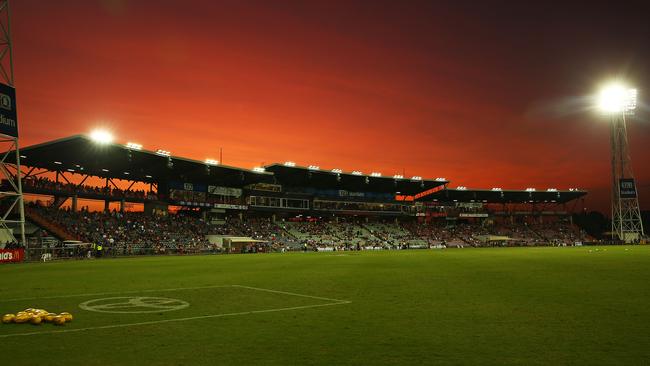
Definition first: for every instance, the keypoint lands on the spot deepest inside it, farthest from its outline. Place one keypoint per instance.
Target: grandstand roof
(504, 196)
(80, 154)
(299, 176)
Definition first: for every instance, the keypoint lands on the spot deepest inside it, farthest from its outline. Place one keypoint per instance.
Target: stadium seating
(136, 233)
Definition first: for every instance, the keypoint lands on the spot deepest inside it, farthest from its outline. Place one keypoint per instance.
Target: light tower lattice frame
(626, 215)
(11, 193)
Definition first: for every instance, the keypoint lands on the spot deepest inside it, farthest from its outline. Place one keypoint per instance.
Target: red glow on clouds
(420, 89)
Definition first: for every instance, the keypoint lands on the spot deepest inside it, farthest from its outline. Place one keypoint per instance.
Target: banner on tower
(8, 121)
(627, 188)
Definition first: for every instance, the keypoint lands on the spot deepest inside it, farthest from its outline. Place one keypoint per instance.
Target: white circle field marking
(133, 305)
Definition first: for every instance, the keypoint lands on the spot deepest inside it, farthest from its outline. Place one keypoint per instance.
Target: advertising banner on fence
(11, 255)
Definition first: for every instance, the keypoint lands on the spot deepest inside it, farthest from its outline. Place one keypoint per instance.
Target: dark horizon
(483, 95)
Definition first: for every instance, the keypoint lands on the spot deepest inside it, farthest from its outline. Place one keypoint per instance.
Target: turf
(463, 306)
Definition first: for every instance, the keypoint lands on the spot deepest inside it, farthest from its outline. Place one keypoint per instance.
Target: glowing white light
(617, 98)
(212, 162)
(375, 174)
(289, 163)
(133, 146)
(337, 171)
(551, 190)
(102, 137)
(496, 189)
(313, 167)
(441, 179)
(398, 176)
(530, 189)
(357, 172)
(104, 170)
(461, 188)
(416, 177)
(58, 163)
(259, 169)
(126, 173)
(148, 176)
(163, 152)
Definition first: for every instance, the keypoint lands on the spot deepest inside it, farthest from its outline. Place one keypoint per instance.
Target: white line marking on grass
(112, 326)
(115, 293)
(290, 293)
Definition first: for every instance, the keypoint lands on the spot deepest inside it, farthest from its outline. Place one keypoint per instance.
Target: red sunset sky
(486, 95)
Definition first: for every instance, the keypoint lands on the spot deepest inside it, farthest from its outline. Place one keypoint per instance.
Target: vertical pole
(11, 53)
(21, 203)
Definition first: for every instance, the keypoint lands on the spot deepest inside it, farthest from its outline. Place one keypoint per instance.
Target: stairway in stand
(53, 228)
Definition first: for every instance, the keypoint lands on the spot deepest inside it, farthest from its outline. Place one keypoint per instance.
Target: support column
(74, 203)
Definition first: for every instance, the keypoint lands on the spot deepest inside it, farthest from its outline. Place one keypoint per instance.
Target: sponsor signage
(12, 255)
(265, 187)
(344, 193)
(627, 188)
(8, 116)
(471, 205)
(464, 214)
(225, 191)
(214, 205)
(230, 207)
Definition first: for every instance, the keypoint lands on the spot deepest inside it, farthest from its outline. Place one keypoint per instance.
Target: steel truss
(11, 195)
(626, 215)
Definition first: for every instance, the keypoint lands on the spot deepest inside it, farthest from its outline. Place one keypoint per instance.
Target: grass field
(464, 306)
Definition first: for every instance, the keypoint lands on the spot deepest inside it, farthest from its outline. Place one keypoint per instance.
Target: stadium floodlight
(70, 170)
(440, 179)
(337, 171)
(289, 163)
(617, 98)
(497, 189)
(101, 137)
(416, 177)
(148, 176)
(105, 170)
(461, 188)
(133, 146)
(357, 172)
(211, 162)
(259, 169)
(551, 190)
(58, 163)
(530, 189)
(375, 174)
(313, 167)
(398, 176)
(163, 152)
(126, 173)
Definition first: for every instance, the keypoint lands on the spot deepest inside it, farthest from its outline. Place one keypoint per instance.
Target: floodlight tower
(11, 195)
(618, 101)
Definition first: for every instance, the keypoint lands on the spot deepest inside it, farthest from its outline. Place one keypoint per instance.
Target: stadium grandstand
(89, 197)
